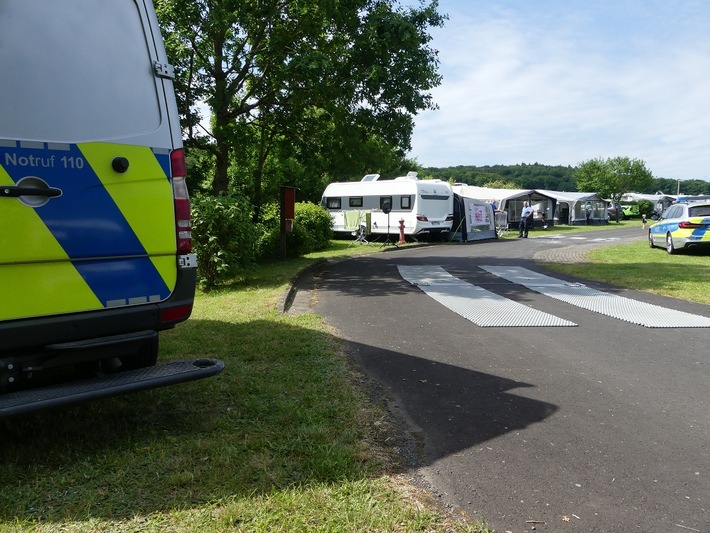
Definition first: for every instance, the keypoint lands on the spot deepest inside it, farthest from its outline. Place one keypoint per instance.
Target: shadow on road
(454, 407)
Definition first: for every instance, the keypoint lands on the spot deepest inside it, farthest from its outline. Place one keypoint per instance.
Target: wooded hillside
(537, 176)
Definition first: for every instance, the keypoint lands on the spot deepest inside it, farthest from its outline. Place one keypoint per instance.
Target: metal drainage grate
(644, 314)
(482, 307)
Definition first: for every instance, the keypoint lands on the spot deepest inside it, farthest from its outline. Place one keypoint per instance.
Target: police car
(682, 225)
(95, 244)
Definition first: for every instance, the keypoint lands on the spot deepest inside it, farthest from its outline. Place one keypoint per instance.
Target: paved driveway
(604, 426)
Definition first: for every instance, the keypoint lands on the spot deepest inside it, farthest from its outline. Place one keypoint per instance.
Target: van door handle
(16, 192)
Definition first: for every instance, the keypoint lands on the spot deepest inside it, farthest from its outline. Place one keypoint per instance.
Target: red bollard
(401, 231)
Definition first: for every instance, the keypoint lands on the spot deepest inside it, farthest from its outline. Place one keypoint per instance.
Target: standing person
(525, 220)
(643, 220)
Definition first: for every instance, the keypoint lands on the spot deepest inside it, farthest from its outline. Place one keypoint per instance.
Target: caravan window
(356, 201)
(332, 203)
(384, 199)
(405, 202)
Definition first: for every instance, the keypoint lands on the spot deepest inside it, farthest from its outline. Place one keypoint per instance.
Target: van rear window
(75, 70)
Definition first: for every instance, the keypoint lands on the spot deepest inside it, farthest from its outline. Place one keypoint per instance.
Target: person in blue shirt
(525, 220)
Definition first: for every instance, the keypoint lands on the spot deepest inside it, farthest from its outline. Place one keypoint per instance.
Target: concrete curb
(290, 295)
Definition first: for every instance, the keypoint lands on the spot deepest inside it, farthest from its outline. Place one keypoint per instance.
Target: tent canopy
(577, 208)
(512, 200)
(473, 217)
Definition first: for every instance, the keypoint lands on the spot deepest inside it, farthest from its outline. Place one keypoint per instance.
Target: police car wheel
(670, 247)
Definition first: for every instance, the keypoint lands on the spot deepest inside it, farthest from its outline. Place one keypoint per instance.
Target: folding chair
(501, 223)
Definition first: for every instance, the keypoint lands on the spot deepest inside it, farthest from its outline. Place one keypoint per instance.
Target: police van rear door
(86, 204)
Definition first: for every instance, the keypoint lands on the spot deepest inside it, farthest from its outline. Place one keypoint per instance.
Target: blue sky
(563, 81)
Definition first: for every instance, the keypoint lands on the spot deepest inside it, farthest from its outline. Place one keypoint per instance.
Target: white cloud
(571, 82)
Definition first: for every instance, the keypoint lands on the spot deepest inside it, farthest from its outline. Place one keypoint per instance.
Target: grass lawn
(635, 265)
(285, 439)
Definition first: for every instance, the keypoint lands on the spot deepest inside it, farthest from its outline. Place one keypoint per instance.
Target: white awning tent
(511, 201)
(473, 217)
(578, 208)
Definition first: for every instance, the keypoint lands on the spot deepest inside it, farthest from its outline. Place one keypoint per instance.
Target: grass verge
(563, 229)
(284, 439)
(636, 266)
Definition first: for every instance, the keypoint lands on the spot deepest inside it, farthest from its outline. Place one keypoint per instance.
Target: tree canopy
(612, 177)
(316, 81)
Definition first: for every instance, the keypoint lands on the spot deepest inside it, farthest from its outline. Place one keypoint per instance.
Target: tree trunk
(259, 179)
(220, 110)
(220, 183)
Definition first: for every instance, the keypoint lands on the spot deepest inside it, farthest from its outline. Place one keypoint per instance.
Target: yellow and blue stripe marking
(108, 240)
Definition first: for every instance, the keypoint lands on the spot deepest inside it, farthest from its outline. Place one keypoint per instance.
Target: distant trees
(564, 178)
(689, 187)
(522, 176)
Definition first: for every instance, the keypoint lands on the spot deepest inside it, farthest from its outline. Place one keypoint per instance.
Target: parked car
(630, 210)
(681, 225)
(612, 209)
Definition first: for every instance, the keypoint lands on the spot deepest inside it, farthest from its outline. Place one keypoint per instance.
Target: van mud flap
(106, 385)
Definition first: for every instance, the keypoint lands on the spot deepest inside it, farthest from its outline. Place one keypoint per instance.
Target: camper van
(95, 249)
(376, 206)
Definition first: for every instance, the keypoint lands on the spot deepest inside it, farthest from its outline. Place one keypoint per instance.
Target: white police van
(95, 245)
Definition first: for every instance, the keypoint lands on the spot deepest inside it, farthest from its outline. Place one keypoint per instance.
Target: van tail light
(689, 225)
(175, 314)
(183, 228)
(422, 218)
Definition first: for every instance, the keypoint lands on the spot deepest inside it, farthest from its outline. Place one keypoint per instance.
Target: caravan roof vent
(370, 177)
(411, 176)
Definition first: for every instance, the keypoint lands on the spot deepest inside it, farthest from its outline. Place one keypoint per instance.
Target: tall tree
(266, 66)
(612, 177)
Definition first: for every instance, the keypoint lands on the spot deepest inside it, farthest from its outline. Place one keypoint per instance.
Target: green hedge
(312, 231)
(223, 237)
(226, 240)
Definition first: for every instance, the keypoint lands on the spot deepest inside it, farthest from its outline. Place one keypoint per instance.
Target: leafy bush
(312, 231)
(223, 236)
(646, 206)
(317, 223)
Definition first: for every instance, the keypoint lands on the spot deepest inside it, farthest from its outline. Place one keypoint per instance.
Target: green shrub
(647, 207)
(317, 223)
(223, 236)
(312, 231)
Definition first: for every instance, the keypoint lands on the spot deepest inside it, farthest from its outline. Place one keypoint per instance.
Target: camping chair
(363, 228)
(501, 223)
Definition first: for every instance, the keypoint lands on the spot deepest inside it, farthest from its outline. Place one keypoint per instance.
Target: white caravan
(425, 206)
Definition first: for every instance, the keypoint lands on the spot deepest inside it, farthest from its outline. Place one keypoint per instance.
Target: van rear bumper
(34, 335)
(26, 401)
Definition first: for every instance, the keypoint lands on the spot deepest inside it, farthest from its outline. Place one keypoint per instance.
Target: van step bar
(106, 385)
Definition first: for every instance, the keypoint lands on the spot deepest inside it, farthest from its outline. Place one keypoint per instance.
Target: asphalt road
(602, 427)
